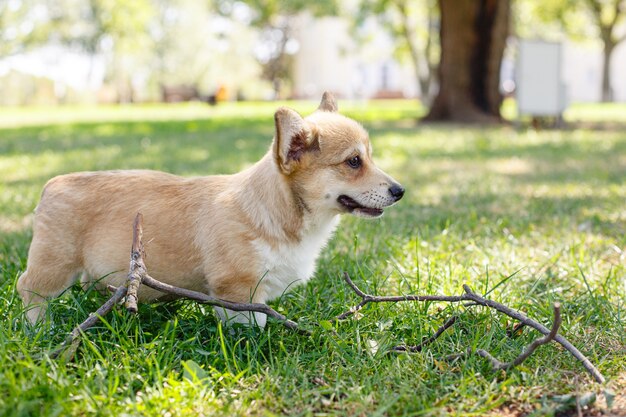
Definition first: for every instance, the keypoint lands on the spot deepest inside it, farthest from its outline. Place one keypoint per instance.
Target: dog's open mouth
(352, 206)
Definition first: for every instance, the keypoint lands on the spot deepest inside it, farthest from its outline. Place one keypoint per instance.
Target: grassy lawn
(528, 217)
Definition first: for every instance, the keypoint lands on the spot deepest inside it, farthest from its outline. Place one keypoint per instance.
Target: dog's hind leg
(47, 275)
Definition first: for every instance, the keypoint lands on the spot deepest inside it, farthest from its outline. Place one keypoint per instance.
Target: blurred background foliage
(149, 50)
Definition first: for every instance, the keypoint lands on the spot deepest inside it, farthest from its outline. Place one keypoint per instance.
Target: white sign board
(539, 87)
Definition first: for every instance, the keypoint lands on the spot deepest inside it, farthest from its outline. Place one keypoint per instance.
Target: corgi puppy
(245, 237)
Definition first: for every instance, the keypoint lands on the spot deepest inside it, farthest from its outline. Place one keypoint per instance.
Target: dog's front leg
(242, 288)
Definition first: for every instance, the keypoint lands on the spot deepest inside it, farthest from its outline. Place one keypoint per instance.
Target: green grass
(546, 209)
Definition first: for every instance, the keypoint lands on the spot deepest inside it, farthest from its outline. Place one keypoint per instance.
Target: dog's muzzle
(372, 205)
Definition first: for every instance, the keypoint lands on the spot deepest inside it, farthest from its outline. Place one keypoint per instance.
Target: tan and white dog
(242, 237)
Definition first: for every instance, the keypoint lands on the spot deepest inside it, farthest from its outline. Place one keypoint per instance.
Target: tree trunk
(473, 36)
(607, 91)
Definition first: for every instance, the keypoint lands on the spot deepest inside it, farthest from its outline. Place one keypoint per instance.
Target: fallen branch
(137, 269)
(71, 341)
(138, 276)
(207, 299)
(539, 327)
(470, 295)
(497, 365)
(367, 298)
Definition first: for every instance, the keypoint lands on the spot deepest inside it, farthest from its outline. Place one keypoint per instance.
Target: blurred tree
(605, 17)
(182, 34)
(275, 20)
(199, 48)
(473, 37)
(414, 25)
(23, 24)
(117, 29)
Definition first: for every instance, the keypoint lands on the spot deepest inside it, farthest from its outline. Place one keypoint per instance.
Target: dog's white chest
(285, 266)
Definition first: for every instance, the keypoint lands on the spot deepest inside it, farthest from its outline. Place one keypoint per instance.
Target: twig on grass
(138, 276)
(137, 269)
(497, 365)
(367, 298)
(207, 299)
(69, 345)
(539, 327)
(470, 295)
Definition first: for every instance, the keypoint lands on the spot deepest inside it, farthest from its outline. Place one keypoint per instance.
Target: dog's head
(327, 159)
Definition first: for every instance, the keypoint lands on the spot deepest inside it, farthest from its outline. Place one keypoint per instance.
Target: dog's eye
(354, 162)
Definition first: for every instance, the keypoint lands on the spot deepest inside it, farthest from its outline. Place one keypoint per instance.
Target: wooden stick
(539, 327)
(74, 337)
(470, 295)
(497, 365)
(207, 299)
(137, 267)
(138, 275)
(367, 298)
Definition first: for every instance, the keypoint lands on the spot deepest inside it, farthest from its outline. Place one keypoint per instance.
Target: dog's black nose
(396, 191)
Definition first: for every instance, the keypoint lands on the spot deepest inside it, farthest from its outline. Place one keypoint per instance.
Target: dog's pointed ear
(293, 139)
(328, 103)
